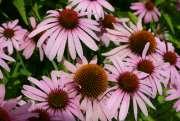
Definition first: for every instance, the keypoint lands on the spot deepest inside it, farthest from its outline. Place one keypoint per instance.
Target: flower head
(54, 95)
(92, 7)
(12, 34)
(10, 110)
(29, 44)
(42, 115)
(133, 39)
(66, 26)
(168, 55)
(128, 85)
(108, 23)
(174, 94)
(90, 83)
(146, 10)
(154, 70)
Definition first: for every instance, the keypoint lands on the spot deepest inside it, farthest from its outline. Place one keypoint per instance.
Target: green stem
(16, 69)
(54, 65)
(21, 60)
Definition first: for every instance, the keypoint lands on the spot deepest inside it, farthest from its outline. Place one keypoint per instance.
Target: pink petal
(124, 107)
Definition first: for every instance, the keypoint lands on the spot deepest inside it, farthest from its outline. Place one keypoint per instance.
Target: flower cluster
(134, 72)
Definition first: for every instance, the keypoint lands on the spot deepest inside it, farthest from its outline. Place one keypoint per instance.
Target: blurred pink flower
(54, 95)
(108, 22)
(178, 5)
(10, 110)
(146, 10)
(42, 115)
(90, 83)
(12, 34)
(92, 7)
(152, 67)
(29, 44)
(3, 63)
(128, 86)
(66, 26)
(174, 94)
(132, 38)
(168, 55)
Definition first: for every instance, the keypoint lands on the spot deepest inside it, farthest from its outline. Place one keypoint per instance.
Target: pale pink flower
(12, 34)
(152, 67)
(146, 10)
(95, 8)
(43, 115)
(90, 83)
(63, 27)
(168, 55)
(132, 38)
(3, 63)
(54, 95)
(10, 110)
(178, 5)
(108, 22)
(174, 94)
(28, 45)
(128, 86)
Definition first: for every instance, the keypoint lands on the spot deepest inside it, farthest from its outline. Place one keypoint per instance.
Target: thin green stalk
(54, 65)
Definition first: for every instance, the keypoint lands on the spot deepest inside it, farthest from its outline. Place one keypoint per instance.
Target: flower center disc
(4, 116)
(170, 57)
(92, 80)
(128, 82)
(68, 18)
(138, 40)
(145, 66)
(42, 116)
(149, 5)
(8, 33)
(58, 99)
(108, 21)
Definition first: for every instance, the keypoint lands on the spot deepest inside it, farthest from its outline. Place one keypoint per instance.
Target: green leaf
(153, 26)
(158, 2)
(35, 9)
(169, 22)
(178, 115)
(161, 99)
(178, 27)
(132, 17)
(173, 40)
(19, 4)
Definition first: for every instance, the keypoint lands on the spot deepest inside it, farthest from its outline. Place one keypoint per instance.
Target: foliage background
(169, 25)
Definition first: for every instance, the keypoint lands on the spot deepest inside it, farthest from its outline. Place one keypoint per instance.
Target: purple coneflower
(146, 10)
(174, 94)
(152, 67)
(168, 55)
(10, 110)
(108, 22)
(29, 44)
(66, 26)
(132, 38)
(128, 86)
(12, 34)
(42, 115)
(54, 96)
(92, 7)
(90, 83)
